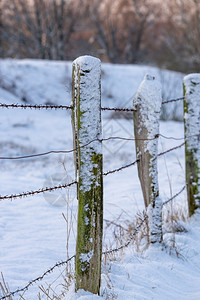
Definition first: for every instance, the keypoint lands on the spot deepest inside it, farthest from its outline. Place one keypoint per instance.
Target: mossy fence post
(86, 122)
(147, 105)
(191, 84)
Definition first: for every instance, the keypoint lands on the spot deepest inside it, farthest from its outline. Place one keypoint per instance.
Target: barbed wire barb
(31, 193)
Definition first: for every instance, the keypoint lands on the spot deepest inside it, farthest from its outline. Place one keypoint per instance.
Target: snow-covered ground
(33, 230)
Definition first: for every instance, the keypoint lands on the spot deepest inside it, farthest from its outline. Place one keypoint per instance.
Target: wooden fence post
(86, 121)
(191, 84)
(147, 103)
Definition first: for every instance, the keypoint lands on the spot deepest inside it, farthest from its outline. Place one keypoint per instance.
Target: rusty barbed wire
(134, 162)
(176, 195)
(121, 168)
(82, 146)
(169, 150)
(59, 264)
(43, 190)
(172, 100)
(35, 106)
(31, 193)
(52, 106)
(132, 109)
(118, 109)
(19, 290)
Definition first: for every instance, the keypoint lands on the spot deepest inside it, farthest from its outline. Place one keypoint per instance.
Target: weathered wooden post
(147, 103)
(191, 84)
(86, 120)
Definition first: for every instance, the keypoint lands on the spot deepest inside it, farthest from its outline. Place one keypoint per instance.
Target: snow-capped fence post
(191, 84)
(147, 105)
(86, 122)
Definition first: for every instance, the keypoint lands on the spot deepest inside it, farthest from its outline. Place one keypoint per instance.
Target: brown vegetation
(119, 31)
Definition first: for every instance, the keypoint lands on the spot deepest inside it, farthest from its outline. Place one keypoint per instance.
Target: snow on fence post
(147, 103)
(191, 84)
(86, 122)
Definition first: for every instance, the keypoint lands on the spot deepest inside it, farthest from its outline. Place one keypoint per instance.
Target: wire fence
(49, 189)
(82, 146)
(66, 107)
(62, 263)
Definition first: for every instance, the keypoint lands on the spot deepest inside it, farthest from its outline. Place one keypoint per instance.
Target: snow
(34, 235)
(192, 98)
(87, 73)
(192, 123)
(148, 101)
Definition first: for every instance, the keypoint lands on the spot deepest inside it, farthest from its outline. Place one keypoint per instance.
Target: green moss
(89, 233)
(90, 207)
(192, 174)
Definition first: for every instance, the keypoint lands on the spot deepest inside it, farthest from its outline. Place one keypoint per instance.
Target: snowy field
(34, 232)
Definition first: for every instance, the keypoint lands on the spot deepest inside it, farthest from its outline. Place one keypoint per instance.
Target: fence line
(132, 109)
(59, 264)
(81, 114)
(121, 168)
(172, 100)
(35, 106)
(167, 151)
(176, 195)
(49, 189)
(100, 140)
(51, 106)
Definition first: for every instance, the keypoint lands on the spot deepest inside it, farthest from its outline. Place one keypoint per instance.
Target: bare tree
(120, 27)
(40, 28)
(179, 35)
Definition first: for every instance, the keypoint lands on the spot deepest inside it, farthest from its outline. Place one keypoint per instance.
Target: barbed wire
(59, 264)
(132, 109)
(20, 290)
(52, 106)
(43, 190)
(35, 106)
(140, 225)
(118, 109)
(82, 146)
(169, 150)
(129, 240)
(137, 160)
(31, 193)
(176, 195)
(121, 168)
(172, 100)
(50, 189)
